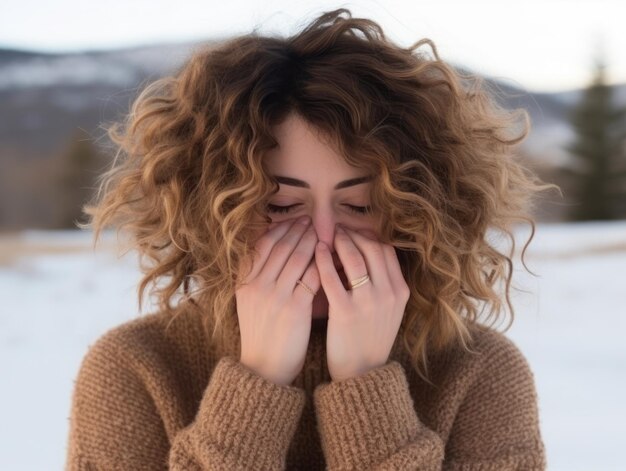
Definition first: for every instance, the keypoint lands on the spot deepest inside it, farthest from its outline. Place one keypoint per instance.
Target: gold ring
(301, 283)
(359, 281)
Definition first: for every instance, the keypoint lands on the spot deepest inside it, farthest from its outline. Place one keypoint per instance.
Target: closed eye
(359, 209)
(272, 208)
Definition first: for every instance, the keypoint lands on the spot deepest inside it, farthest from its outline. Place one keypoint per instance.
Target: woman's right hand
(274, 311)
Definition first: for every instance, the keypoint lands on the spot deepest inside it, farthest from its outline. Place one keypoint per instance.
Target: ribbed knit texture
(150, 398)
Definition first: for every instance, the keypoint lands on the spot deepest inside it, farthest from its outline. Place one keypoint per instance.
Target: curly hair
(189, 185)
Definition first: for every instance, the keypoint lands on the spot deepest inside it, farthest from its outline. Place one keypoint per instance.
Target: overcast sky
(541, 45)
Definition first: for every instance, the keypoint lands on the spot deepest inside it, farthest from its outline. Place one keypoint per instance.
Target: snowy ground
(58, 297)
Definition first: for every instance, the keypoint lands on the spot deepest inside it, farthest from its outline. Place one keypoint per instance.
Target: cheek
(258, 228)
(371, 233)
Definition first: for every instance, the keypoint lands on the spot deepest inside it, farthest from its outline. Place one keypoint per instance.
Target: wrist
(276, 379)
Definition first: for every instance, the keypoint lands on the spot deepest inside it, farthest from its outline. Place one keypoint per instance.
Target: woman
(350, 341)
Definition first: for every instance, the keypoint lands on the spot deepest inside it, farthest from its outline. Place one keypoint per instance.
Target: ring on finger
(305, 286)
(359, 281)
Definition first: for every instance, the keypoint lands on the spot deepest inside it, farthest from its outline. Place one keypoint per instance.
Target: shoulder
(143, 333)
(490, 365)
(495, 352)
(125, 386)
(501, 382)
(117, 358)
(499, 403)
(138, 365)
(489, 352)
(158, 344)
(168, 332)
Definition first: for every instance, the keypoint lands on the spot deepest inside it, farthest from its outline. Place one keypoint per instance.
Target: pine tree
(599, 178)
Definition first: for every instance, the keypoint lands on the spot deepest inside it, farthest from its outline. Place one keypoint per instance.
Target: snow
(569, 323)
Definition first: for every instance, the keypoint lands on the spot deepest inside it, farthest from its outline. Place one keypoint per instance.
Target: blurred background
(69, 68)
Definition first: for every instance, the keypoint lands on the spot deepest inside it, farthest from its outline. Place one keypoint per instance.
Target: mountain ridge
(50, 98)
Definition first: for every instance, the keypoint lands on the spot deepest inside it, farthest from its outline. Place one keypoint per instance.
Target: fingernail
(304, 220)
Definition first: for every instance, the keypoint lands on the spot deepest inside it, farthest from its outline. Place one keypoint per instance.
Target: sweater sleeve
(244, 421)
(370, 423)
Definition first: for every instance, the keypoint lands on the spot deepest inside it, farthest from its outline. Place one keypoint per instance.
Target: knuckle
(283, 246)
(375, 248)
(354, 257)
(310, 235)
(264, 243)
(247, 286)
(300, 255)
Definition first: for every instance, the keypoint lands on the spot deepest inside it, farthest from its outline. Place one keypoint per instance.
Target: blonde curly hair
(188, 183)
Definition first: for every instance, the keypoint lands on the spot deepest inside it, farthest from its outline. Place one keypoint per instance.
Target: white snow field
(58, 296)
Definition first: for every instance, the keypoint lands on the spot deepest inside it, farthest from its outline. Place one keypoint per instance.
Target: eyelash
(272, 208)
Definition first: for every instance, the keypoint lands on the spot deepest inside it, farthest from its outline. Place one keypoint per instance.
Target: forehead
(303, 152)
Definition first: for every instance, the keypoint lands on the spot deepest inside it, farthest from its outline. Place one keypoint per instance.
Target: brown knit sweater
(150, 398)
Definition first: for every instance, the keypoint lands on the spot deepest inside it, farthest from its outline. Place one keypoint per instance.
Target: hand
(362, 323)
(274, 311)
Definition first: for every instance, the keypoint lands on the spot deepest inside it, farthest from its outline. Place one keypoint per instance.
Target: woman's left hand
(362, 322)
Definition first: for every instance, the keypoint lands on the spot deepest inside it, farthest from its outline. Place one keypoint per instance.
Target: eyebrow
(302, 184)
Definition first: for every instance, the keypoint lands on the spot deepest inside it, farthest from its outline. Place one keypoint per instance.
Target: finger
(261, 251)
(351, 258)
(373, 255)
(393, 267)
(311, 278)
(274, 224)
(282, 250)
(388, 250)
(298, 261)
(368, 233)
(329, 279)
(391, 257)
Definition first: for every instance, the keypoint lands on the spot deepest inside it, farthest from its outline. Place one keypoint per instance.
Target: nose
(325, 227)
